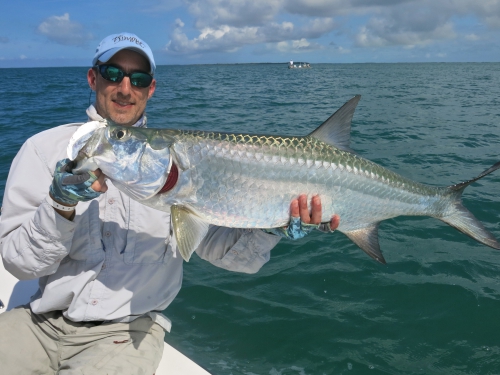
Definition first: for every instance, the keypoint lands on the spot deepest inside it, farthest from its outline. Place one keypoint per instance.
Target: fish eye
(120, 134)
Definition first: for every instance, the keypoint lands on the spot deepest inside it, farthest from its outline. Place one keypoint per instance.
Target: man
(107, 265)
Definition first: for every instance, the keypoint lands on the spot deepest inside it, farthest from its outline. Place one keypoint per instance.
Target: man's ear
(152, 88)
(92, 78)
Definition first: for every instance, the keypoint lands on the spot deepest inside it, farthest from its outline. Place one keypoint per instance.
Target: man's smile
(122, 103)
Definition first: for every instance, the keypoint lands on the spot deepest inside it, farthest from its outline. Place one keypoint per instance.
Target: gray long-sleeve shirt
(117, 259)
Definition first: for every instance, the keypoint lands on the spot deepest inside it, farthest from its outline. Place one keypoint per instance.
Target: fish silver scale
(235, 175)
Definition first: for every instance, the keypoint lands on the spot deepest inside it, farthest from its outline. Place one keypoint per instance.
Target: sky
(65, 32)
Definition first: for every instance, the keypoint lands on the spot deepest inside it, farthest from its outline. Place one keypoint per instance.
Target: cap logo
(131, 39)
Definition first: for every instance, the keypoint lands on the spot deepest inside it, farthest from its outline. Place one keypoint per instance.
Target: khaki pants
(51, 344)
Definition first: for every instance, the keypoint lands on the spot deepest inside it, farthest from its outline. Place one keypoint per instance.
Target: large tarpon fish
(249, 180)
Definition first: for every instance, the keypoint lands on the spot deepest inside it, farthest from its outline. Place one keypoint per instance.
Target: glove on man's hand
(303, 221)
(295, 230)
(69, 188)
(298, 229)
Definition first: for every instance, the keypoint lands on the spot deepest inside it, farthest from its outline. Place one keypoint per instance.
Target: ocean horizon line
(264, 63)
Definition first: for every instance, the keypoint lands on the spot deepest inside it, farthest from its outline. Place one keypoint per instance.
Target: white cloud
(378, 34)
(493, 21)
(472, 37)
(297, 46)
(62, 30)
(223, 38)
(22, 57)
(179, 23)
(408, 25)
(228, 25)
(343, 50)
(227, 38)
(237, 13)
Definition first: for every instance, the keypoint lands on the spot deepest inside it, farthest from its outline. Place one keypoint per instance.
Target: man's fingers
(294, 208)
(304, 209)
(300, 208)
(334, 223)
(99, 185)
(316, 210)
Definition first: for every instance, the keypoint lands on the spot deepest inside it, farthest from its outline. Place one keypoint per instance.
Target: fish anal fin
(189, 230)
(336, 130)
(367, 239)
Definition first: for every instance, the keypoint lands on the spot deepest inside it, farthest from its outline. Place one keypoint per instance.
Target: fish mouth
(82, 135)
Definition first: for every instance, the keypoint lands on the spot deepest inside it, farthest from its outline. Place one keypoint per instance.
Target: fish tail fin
(463, 220)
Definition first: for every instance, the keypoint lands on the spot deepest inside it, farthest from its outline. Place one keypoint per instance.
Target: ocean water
(321, 306)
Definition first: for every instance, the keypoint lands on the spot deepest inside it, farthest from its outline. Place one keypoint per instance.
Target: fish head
(136, 160)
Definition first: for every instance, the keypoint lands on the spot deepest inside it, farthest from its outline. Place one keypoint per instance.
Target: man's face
(122, 102)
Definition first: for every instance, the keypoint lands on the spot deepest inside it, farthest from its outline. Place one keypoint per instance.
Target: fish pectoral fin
(189, 230)
(367, 239)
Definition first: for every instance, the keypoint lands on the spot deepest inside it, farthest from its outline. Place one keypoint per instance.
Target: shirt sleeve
(240, 250)
(34, 238)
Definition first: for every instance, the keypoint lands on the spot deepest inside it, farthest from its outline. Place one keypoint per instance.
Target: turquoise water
(321, 306)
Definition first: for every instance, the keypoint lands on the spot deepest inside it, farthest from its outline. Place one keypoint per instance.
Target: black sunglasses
(114, 74)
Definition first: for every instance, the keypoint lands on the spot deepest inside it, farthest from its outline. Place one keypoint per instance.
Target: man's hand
(99, 185)
(299, 208)
(303, 220)
(68, 189)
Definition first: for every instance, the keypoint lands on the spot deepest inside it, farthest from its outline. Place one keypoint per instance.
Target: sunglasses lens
(111, 73)
(140, 79)
(114, 74)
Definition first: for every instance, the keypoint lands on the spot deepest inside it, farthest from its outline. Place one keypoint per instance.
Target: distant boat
(298, 65)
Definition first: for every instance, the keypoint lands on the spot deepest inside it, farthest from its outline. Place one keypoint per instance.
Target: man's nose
(125, 86)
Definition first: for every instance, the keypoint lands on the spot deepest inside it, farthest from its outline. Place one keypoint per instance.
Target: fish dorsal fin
(189, 230)
(336, 131)
(367, 239)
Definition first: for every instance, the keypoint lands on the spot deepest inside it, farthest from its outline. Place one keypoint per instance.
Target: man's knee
(132, 348)
(22, 339)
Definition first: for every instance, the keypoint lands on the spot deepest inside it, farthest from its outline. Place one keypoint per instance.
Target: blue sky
(66, 32)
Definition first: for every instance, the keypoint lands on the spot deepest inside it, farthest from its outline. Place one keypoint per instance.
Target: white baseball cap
(116, 42)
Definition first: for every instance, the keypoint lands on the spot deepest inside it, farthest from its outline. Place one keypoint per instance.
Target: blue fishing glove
(69, 188)
(298, 229)
(325, 228)
(294, 230)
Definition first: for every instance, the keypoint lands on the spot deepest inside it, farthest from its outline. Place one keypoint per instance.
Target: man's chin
(123, 120)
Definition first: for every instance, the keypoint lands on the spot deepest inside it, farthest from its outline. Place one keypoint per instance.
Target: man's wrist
(59, 206)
